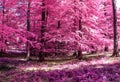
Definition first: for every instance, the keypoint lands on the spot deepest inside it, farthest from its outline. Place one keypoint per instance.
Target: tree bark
(59, 24)
(106, 48)
(115, 51)
(80, 23)
(28, 29)
(80, 55)
(3, 19)
(41, 53)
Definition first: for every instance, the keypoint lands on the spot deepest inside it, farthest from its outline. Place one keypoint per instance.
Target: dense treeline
(58, 26)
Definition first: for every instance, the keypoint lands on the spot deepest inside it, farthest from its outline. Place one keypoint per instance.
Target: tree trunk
(41, 56)
(115, 51)
(1, 53)
(59, 24)
(75, 54)
(80, 55)
(28, 29)
(3, 19)
(28, 54)
(106, 49)
(80, 24)
(41, 53)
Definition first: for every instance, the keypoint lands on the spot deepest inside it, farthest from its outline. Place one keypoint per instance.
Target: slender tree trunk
(41, 53)
(106, 48)
(3, 19)
(80, 23)
(80, 55)
(59, 24)
(28, 29)
(80, 51)
(115, 51)
(74, 28)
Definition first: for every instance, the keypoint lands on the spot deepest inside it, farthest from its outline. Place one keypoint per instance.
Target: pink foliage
(95, 16)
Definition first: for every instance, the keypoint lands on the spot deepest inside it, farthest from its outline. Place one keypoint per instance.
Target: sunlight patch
(30, 69)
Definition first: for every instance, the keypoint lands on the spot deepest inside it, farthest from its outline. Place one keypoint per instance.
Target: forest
(59, 40)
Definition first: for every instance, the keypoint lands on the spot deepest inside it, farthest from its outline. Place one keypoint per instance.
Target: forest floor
(95, 67)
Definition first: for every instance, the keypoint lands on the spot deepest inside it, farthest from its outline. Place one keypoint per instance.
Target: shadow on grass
(87, 73)
(6, 67)
(92, 73)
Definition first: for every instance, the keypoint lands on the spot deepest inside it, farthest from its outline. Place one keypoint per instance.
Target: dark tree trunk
(80, 18)
(41, 53)
(1, 53)
(106, 49)
(75, 54)
(28, 29)
(3, 19)
(41, 56)
(59, 24)
(115, 51)
(80, 55)
(80, 24)
(105, 14)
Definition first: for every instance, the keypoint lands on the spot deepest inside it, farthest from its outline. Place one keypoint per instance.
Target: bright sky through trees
(118, 3)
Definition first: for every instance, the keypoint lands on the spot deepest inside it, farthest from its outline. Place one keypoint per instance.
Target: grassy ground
(12, 67)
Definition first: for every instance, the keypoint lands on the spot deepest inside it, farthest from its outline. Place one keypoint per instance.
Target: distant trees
(58, 26)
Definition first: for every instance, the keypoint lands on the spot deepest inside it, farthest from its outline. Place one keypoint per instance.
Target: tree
(115, 51)
(59, 26)
(41, 53)
(3, 21)
(28, 28)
